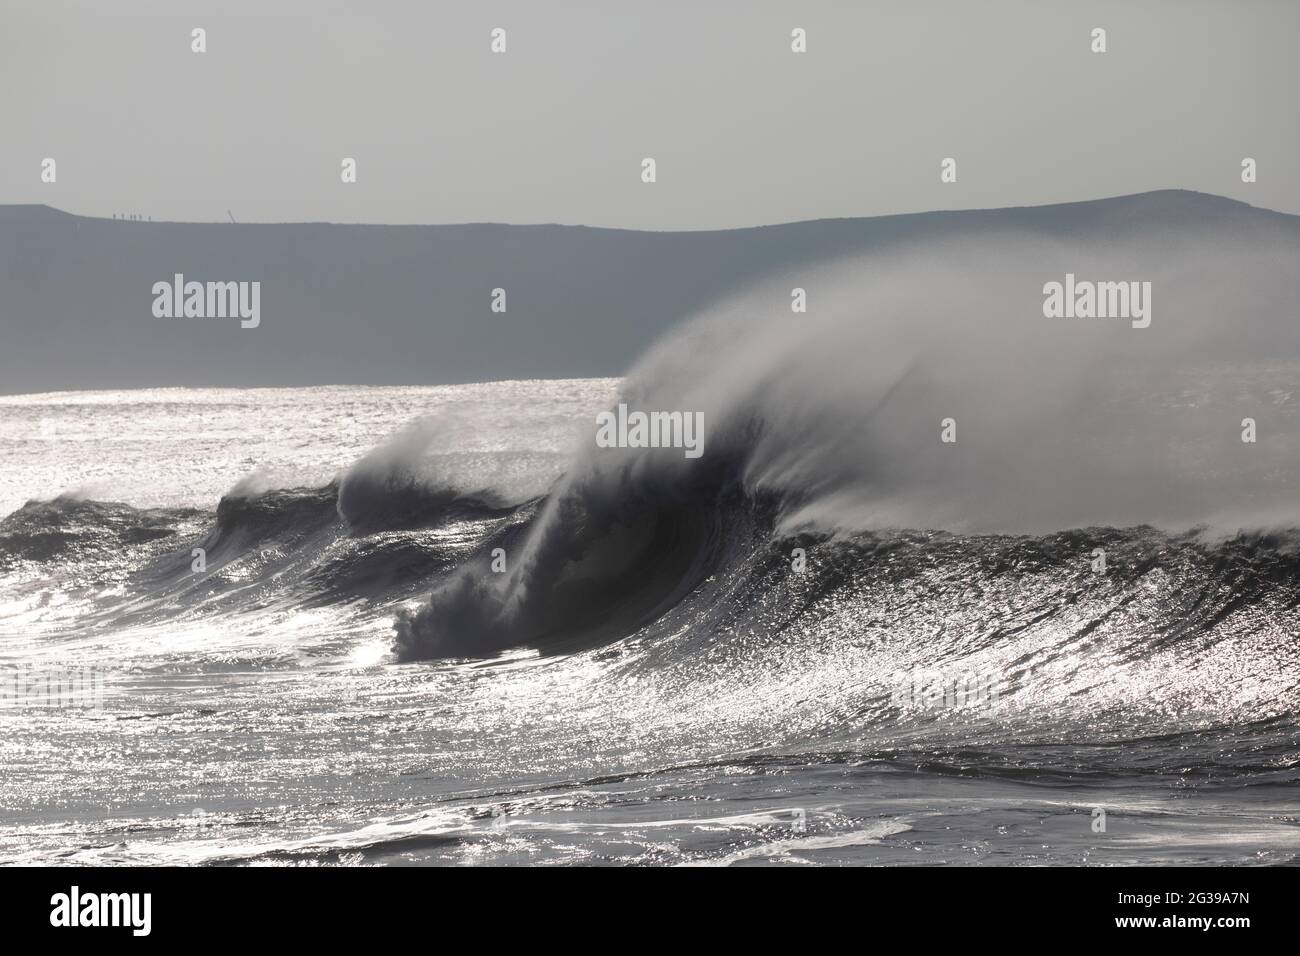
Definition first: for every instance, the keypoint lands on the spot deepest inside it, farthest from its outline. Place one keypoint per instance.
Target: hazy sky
(744, 131)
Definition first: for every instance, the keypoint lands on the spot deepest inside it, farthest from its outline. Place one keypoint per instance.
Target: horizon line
(525, 225)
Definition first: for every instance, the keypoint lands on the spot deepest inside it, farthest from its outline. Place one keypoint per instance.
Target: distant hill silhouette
(377, 305)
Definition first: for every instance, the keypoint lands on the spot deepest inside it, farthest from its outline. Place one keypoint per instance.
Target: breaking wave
(832, 422)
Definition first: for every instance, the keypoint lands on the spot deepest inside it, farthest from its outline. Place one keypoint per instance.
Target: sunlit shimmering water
(255, 712)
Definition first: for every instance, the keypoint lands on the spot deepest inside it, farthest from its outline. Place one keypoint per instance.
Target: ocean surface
(436, 626)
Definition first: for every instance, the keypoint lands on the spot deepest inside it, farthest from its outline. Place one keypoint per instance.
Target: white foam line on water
(784, 849)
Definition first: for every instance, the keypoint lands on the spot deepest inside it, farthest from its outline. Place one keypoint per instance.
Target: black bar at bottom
(338, 904)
